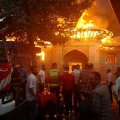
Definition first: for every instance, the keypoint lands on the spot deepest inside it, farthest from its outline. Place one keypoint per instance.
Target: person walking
(109, 80)
(41, 77)
(31, 98)
(67, 80)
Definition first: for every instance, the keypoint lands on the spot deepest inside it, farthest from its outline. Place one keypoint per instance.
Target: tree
(43, 18)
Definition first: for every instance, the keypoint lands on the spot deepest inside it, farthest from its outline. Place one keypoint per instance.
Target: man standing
(31, 89)
(41, 77)
(54, 77)
(67, 80)
(76, 73)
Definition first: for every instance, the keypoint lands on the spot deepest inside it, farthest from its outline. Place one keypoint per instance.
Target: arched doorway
(75, 57)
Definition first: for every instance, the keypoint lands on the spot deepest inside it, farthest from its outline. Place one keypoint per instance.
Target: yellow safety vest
(54, 74)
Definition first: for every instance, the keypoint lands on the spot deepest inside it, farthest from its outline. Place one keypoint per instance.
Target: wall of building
(89, 50)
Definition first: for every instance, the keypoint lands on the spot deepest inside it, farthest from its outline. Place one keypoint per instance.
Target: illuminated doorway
(71, 65)
(75, 57)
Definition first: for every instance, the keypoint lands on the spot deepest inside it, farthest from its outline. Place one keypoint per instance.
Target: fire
(87, 28)
(84, 29)
(42, 55)
(106, 40)
(82, 23)
(61, 22)
(10, 38)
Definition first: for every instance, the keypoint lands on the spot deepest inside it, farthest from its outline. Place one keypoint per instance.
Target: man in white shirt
(31, 89)
(41, 77)
(76, 72)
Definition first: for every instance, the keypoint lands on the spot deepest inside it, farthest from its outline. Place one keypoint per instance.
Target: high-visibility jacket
(54, 73)
(54, 77)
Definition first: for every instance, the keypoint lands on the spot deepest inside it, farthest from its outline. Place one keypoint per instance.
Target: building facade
(82, 52)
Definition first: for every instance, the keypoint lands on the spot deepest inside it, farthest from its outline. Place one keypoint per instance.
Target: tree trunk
(32, 47)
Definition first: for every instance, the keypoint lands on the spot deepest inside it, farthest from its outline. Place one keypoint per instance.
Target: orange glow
(41, 43)
(42, 54)
(106, 40)
(110, 49)
(85, 28)
(10, 38)
(61, 22)
(110, 44)
(82, 23)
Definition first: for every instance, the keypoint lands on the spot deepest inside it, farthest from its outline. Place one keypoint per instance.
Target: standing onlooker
(41, 77)
(101, 103)
(76, 72)
(86, 88)
(67, 80)
(54, 81)
(23, 73)
(109, 80)
(86, 81)
(31, 89)
(116, 90)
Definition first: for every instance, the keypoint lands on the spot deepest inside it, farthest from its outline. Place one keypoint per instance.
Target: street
(20, 114)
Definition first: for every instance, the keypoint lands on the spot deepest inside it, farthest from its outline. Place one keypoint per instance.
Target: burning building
(89, 41)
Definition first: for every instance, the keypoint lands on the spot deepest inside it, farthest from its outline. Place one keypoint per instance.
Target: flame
(85, 21)
(10, 38)
(82, 23)
(42, 54)
(88, 28)
(106, 41)
(85, 28)
(61, 22)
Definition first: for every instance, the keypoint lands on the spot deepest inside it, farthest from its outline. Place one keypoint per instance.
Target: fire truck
(7, 103)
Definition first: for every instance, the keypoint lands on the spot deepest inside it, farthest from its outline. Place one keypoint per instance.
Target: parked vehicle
(7, 103)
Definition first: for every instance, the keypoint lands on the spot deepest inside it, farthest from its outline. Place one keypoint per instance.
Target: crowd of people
(92, 98)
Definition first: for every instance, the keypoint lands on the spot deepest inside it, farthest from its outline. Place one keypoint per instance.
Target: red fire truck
(7, 103)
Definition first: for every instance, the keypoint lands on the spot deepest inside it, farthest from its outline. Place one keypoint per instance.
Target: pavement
(74, 116)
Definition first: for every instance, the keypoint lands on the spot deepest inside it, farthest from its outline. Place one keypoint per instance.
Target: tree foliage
(40, 17)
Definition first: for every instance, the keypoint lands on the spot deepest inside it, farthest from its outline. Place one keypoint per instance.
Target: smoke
(103, 16)
(98, 15)
(101, 22)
